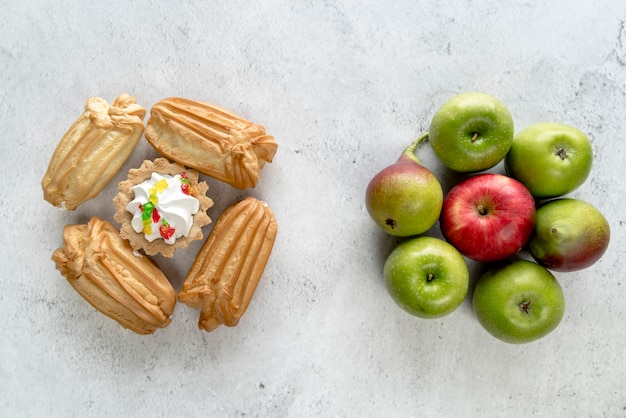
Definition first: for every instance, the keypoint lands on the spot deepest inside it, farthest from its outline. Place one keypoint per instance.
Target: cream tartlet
(162, 206)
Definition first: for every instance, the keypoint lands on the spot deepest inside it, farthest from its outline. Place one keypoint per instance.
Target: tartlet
(162, 206)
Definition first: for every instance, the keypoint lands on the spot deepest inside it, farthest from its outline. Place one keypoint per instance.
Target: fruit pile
(489, 218)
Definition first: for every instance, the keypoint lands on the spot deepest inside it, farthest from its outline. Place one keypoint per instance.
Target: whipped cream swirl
(163, 207)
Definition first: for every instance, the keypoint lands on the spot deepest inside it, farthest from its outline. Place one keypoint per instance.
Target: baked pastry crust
(210, 139)
(228, 268)
(103, 268)
(126, 195)
(93, 150)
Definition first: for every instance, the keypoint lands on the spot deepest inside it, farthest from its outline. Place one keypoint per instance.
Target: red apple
(488, 217)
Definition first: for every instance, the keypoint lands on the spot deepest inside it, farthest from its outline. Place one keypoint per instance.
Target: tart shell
(126, 195)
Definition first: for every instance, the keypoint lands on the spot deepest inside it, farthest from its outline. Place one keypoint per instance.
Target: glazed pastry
(103, 268)
(162, 207)
(227, 270)
(210, 139)
(93, 150)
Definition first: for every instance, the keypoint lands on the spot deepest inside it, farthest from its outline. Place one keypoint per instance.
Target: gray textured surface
(344, 86)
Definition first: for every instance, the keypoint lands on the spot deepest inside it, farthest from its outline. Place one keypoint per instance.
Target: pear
(405, 198)
(569, 235)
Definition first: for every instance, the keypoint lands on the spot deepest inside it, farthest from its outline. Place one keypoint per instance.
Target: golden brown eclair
(210, 139)
(103, 268)
(227, 270)
(93, 150)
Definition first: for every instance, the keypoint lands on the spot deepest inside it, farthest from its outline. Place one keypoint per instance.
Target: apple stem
(430, 277)
(409, 152)
(525, 306)
(481, 209)
(561, 153)
(474, 137)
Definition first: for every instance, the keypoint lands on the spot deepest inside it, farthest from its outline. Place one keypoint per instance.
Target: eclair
(93, 150)
(210, 139)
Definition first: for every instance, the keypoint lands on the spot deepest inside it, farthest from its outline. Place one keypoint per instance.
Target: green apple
(550, 159)
(569, 235)
(427, 277)
(471, 132)
(518, 301)
(405, 198)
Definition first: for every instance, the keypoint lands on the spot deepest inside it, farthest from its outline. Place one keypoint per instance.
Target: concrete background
(344, 86)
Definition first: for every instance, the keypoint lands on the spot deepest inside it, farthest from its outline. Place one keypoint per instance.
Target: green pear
(405, 198)
(569, 235)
